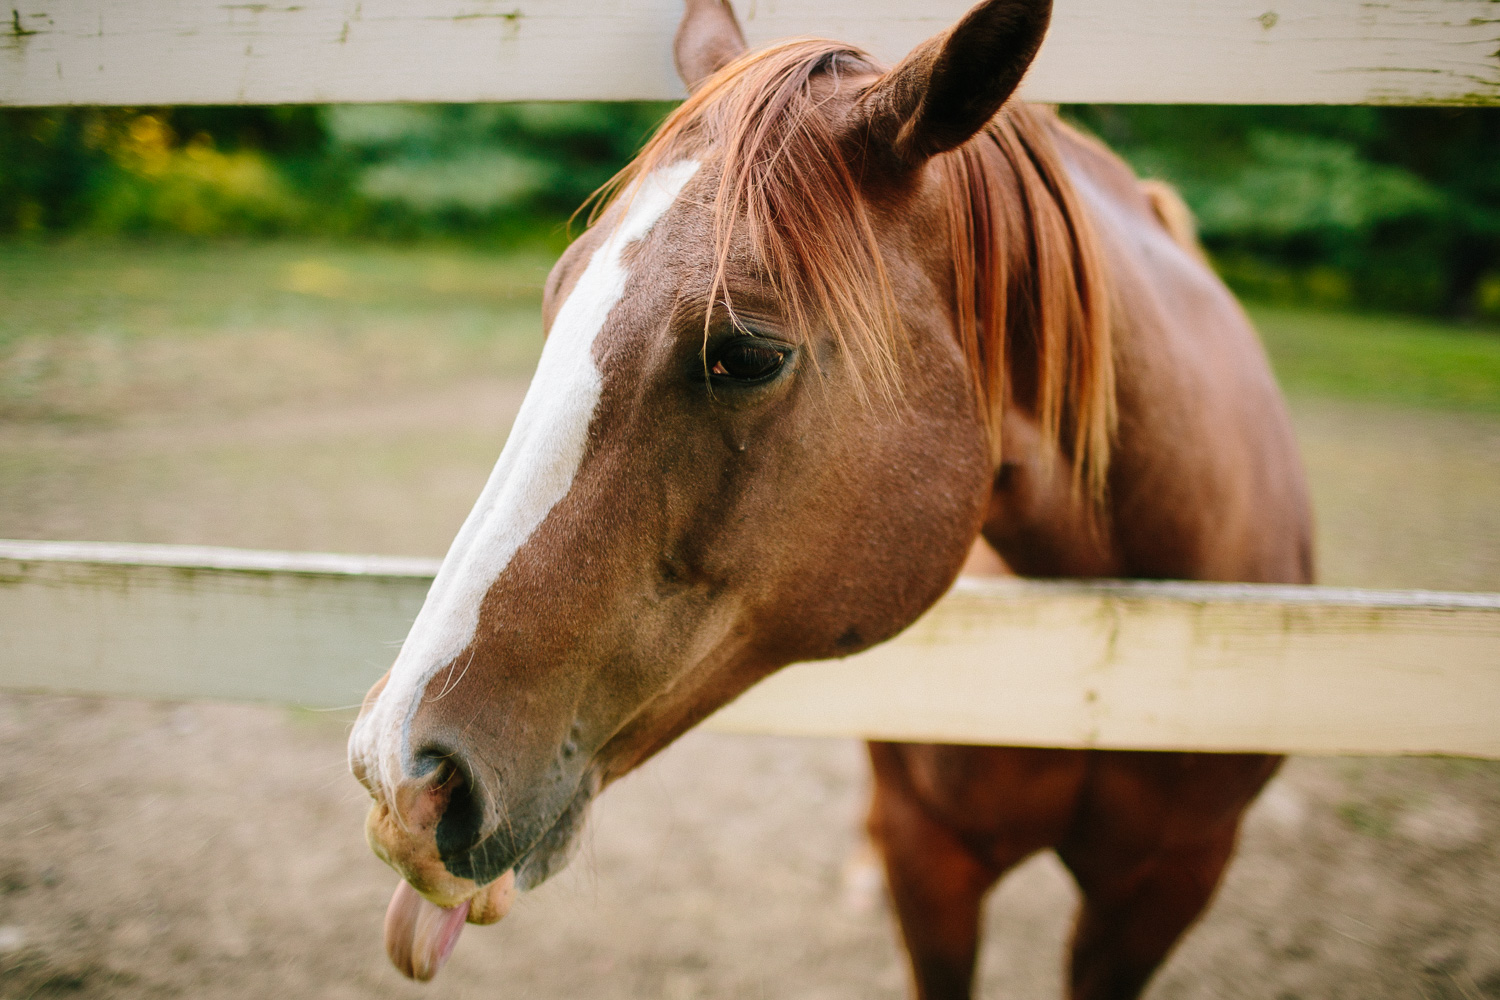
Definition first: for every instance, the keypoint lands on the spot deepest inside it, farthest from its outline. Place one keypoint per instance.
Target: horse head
(756, 435)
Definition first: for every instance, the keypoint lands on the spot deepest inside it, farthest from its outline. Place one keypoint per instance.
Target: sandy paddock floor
(155, 850)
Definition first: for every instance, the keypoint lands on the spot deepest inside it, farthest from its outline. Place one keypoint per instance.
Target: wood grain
(1149, 51)
(1113, 664)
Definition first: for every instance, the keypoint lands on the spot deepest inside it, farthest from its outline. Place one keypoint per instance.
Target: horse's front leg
(937, 883)
(1154, 834)
(949, 821)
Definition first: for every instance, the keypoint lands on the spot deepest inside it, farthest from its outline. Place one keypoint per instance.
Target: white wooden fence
(286, 51)
(1122, 665)
(1125, 665)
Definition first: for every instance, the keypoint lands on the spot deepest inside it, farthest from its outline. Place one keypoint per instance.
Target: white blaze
(535, 471)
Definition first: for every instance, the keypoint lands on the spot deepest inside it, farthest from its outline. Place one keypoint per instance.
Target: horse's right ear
(952, 84)
(708, 39)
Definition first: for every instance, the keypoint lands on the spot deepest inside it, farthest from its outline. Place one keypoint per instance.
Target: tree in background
(497, 169)
(200, 171)
(490, 172)
(1379, 207)
(1387, 207)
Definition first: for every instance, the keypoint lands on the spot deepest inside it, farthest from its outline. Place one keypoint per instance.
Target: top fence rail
(109, 52)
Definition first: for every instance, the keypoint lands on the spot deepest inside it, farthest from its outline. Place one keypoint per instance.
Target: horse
(833, 329)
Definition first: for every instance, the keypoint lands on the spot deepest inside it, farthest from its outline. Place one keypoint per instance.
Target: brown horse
(836, 324)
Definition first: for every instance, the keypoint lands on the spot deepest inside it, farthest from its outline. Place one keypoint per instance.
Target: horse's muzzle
(419, 820)
(439, 829)
(415, 824)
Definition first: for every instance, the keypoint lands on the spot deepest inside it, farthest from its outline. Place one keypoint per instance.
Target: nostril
(461, 824)
(430, 759)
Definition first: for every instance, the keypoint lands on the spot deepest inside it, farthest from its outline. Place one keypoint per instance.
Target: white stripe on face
(535, 470)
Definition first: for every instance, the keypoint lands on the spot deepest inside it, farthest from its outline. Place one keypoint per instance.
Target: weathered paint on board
(1120, 665)
(182, 622)
(1139, 666)
(1152, 51)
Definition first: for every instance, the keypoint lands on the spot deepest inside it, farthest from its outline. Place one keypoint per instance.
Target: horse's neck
(1205, 479)
(1041, 291)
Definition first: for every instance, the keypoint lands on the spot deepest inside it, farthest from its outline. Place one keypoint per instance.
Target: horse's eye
(749, 360)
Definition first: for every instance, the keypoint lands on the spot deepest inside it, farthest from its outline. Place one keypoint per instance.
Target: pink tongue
(419, 936)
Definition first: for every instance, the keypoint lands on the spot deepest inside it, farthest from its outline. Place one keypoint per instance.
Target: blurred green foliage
(1393, 208)
(488, 173)
(482, 169)
(200, 171)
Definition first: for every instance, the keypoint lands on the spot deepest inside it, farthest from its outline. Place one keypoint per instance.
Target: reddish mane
(1031, 292)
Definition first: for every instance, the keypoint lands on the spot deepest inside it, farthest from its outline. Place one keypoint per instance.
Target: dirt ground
(153, 850)
(214, 851)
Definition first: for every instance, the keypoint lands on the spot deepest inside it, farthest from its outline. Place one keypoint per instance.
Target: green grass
(180, 288)
(103, 329)
(94, 328)
(1390, 359)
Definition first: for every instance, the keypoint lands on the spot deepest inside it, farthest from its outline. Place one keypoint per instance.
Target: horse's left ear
(952, 84)
(708, 39)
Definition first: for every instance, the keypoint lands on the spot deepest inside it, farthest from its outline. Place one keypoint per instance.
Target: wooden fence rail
(1113, 664)
(1119, 51)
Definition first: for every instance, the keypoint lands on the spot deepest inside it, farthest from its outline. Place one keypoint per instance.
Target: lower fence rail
(1108, 664)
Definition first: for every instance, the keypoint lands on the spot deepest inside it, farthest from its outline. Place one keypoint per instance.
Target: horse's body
(1205, 485)
(837, 325)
